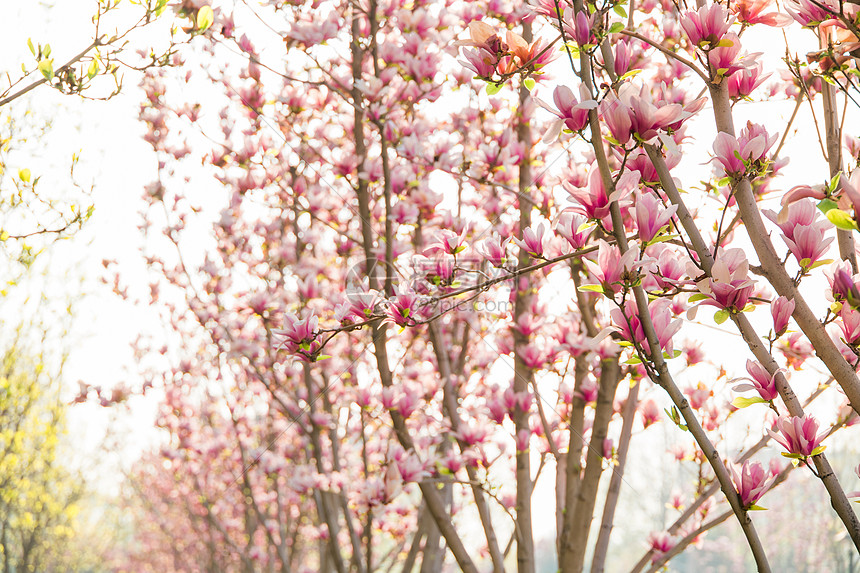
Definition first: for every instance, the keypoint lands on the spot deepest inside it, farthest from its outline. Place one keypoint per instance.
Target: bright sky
(117, 163)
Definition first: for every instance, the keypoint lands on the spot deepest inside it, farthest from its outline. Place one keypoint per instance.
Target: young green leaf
(841, 220)
(205, 18)
(46, 66)
(493, 89)
(741, 402)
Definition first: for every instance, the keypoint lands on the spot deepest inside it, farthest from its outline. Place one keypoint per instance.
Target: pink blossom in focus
(570, 113)
(568, 227)
(707, 26)
(751, 482)
(532, 241)
(651, 216)
(798, 435)
(781, 310)
(762, 382)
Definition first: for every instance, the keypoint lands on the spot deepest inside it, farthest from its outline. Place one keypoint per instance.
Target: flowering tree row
(453, 259)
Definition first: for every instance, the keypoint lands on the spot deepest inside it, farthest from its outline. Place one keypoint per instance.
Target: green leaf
(205, 17)
(821, 263)
(529, 84)
(46, 51)
(617, 26)
(818, 450)
(24, 174)
(159, 8)
(631, 73)
(493, 88)
(741, 402)
(724, 43)
(724, 181)
(721, 316)
(697, 297)
(46, 66)
(662, 238)
(756, 508)
(4, 236)
(633, 360)
(93, 69)
(749, 307)
(841, 220)
(684, 427)
(619, 9)
(805, 262)
(591, 288)
(831, 186)
(322, 357)
(826, 205)
(675, 354)
(30, 45)
(792, 456)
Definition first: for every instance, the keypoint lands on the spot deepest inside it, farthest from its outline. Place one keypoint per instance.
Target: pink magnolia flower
(698, 395)
(751, 481)
(651, 216)
(446, 242)
(798, 435)
(809, 244)
(639, 161)
(781, 310)
(442, 271)
(843, 286)
(751, 12)
(533, 357)
(608, 449)
(494, 250)
(489, 48)
(799, 192)
(570, 113)
(631, 328)
(762, 382)
(299, 336)
(797, 213)
(588, 390)
(810, 14)
(650, 412)
(668, 270)
(751, 147)
(660, 542)
(633, 111)
(622, 58)
(795, 349)
(707, 26)
(363, 304)
(402, 310)
(725, 59)
(568, 227)
(580, 27)
(743, 83)
(611, 266)
(849, 322)
(532, 241)
(593, 201)
(729, 286)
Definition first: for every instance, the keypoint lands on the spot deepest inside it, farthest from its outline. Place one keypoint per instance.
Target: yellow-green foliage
(38, 496)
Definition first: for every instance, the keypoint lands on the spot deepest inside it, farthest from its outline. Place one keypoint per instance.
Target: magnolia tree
(429, 259)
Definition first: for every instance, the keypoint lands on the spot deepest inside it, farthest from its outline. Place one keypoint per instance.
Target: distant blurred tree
(38, 494)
